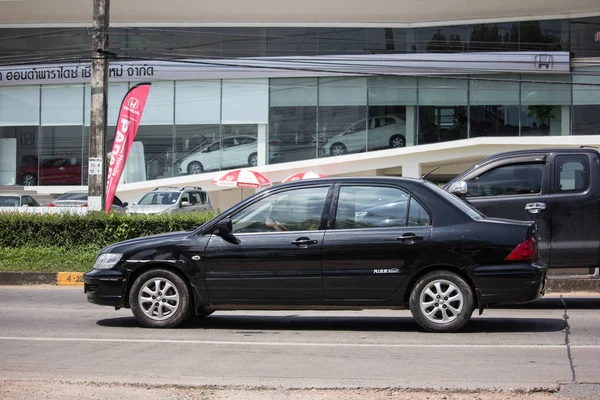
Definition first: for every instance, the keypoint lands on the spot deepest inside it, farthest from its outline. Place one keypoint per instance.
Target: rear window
(463, 206)
(73, 196)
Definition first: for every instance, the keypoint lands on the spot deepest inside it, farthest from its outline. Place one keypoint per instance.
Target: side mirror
(125, 204)
(459, 188)
(185, 204)
(224, 226)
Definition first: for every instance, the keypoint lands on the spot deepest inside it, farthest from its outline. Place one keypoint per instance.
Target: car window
(185, 197)
(73, 196)
(54, 162)
(214, 146)
(198, 197)
(507, 180)
(229, 142)
(572, 175)
(9, 201)
(292, 210)
(30, 201)
(417, 216)
(371, 207)
(117, 201)
(357, 127)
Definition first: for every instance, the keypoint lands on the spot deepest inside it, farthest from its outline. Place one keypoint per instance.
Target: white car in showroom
(230, 152)
(383, 132)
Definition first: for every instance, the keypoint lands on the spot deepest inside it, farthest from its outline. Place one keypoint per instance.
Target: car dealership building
(365, 88)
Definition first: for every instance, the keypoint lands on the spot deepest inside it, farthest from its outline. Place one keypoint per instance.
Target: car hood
(152, 209)
(152, 241)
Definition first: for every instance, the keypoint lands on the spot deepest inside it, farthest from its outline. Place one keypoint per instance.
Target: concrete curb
(42, 278)
(555, 285)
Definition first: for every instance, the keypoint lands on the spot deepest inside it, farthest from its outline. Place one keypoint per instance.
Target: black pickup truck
(559, 189)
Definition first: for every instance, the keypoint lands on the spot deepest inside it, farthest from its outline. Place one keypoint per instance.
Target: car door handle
(304, 242)
(535, 208)
(409, 238)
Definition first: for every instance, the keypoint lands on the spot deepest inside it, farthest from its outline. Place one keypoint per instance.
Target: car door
(211, 157)
(274, 250)
(376, 236)
(575, 214)
(228, 157)
(53, 171)
(516, 189)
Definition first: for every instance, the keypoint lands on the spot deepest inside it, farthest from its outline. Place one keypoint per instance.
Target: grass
(47, 259)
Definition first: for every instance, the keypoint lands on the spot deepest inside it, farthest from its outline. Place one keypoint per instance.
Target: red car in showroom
(57, 170)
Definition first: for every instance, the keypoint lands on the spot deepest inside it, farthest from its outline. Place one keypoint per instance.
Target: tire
(195, 168)
(397, 141)
(253, 160)
(338, 149)
(423, 299)
(175, 301)
(29, 179)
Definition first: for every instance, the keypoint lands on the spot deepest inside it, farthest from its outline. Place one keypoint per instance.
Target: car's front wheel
(442, 301)
(195, 167)
(29, 179)
(160, 298)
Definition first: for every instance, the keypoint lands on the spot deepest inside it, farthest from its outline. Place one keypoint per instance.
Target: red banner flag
(130, 116)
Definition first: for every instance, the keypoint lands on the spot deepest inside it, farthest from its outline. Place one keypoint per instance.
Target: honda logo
(133, 103)
(543, 61)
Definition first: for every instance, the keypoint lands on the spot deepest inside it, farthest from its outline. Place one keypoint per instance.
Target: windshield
(159, 198)
(9, 201)
(463, 206)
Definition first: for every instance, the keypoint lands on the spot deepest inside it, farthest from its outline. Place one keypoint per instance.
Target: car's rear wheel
(442, 301)
(195, 167)
(338, 149)
(253, 160)
(397, 141)
(160, 299)
(29, 179)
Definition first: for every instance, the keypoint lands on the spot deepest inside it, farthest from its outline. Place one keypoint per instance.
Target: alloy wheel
(338, 149)
(441, 301)
(195, 168)
(159, 299)
(397, 141)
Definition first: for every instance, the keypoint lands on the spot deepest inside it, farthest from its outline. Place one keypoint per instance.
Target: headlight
(107, 260)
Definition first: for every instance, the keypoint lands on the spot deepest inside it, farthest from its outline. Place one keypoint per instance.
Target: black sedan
(328, 243)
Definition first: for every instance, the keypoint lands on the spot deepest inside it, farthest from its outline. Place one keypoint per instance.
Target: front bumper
(510, 283)
(105, 287)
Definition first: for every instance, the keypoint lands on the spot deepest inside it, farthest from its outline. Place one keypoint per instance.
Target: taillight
(526, 251)
(51, 205)
(84, 205)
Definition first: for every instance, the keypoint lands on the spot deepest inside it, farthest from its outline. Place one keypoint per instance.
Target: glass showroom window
(244, 119)
(442, 109)
(586, 101)
(61, 139)
(197, 124)
(152, 152)
(342, 116)
(292, 119)
(19, 134)
(391, 122)
(545, 99)
(494, 106)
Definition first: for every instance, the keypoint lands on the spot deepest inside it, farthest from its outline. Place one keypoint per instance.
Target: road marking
(298, 344)
(69, 279)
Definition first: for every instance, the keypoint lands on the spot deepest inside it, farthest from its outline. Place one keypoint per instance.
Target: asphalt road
(52, 333)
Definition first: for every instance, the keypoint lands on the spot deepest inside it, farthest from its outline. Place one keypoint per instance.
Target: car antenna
(429, 173)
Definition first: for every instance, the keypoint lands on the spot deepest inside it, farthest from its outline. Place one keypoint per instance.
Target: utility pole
(98, 109)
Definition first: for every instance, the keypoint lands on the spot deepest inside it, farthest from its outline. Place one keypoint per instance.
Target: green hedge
(69, 231)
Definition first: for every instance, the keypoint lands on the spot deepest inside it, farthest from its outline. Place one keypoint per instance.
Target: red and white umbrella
(303, 175)
(244, 178)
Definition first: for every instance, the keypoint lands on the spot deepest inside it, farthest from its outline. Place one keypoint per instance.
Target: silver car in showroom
(172, 200)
